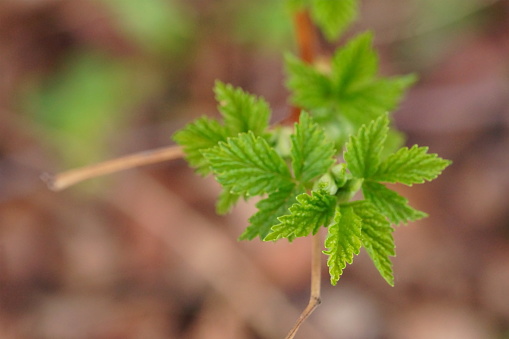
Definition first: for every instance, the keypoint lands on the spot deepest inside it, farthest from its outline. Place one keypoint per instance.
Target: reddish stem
(306, 35)
(306, 42)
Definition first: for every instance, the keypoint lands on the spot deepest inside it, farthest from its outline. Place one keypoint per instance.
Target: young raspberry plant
(308, 175)
(304, 185)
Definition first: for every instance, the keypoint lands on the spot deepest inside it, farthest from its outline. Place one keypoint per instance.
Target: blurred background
(142, 254)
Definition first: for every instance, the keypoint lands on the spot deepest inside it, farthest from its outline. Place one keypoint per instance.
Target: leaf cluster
(345, 93)
(305, 188)
(297, 170)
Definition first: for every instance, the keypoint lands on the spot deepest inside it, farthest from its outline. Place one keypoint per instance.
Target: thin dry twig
(65, 179)
(314, 298)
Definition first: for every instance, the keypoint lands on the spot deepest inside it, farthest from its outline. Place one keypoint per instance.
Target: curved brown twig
(65, 179)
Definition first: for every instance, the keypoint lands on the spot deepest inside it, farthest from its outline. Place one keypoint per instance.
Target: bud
(339, 174)
(327, 183)
(351, 187)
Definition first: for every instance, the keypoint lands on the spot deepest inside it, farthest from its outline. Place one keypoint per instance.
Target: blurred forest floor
(141, 254)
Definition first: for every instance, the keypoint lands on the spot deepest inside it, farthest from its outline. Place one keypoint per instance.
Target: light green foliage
(333, 16)
(361, 94)
(350, 88)
(363, 149)
(363, 157)
(376, 238)
(347, 104)
(311, 152)
(391, 204)
(269, 209)
(241, 111)
(406, 166)
(306, 216)
(354, 65)
(199, 135)
(248, 165)
(373, 98)
(411, 166)
(311, 88)
(343, 241)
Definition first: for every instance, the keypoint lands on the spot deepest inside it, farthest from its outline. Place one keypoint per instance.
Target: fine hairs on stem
(65, 179)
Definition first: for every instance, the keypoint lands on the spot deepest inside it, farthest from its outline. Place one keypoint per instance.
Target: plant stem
(305, 34)
(306, 42)
(65, 179)
(314, 298)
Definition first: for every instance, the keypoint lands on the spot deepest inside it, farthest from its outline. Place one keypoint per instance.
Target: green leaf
(354, 64)
(242, 112)
(361, 104)
(395, 140)
(350, 89)
(386, 93)
(343, 241)
(311, 152)
(410, 166)
(248, 165)
(333, 16)
(376, 238)
(310, 88)
(226, 201)
(389, 203)
(363, 149)
(306, 216)
(269, 209)
(198, 136)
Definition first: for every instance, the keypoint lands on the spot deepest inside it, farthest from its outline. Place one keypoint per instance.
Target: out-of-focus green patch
(79, 107)
(428, 35)
(264, 23)
(159, 26)
(442, 14)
